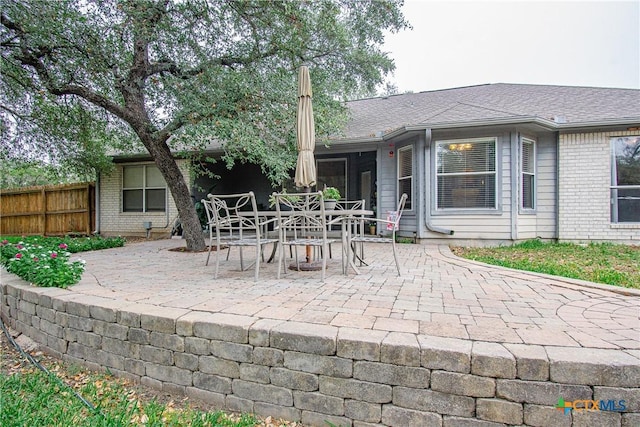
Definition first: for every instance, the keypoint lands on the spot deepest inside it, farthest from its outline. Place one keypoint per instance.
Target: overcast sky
(460, 43)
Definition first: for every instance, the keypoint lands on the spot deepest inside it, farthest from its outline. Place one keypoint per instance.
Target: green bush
(45, 261)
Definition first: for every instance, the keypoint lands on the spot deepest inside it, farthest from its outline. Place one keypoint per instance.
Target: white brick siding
(115, 222)
(584, 197)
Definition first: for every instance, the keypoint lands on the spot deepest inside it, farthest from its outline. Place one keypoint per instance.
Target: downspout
(97, 204)
(427, 221)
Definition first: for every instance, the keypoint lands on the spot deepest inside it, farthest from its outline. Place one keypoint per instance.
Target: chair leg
(395, 255)
(257, 262)
(210, 243)
(215, 275)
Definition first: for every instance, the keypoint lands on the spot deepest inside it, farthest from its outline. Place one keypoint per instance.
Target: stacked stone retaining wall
(318, 374)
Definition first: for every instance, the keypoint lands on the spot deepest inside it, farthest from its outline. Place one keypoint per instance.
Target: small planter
(330, 205)
(372, 229)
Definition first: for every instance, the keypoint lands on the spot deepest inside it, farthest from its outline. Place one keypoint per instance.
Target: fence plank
(48, 210)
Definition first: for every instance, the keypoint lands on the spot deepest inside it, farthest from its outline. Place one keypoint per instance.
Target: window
(625, 179)
(528, 168)
(332, 173)
(466, 174)
(405, 174)
(143, 189)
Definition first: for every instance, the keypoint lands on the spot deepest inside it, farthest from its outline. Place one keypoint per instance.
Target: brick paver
(439, 295)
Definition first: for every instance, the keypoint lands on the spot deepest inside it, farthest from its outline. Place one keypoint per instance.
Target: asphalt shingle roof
(488, 102)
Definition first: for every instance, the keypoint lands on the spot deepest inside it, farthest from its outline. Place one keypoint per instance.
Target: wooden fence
(48, 210)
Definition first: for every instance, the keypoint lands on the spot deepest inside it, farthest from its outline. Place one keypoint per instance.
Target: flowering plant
(40, 265)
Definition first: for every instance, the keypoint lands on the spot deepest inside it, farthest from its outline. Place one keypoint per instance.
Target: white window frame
(494, 174)
(528, 174)
(144, 189)
(615, 188)
(409, 177)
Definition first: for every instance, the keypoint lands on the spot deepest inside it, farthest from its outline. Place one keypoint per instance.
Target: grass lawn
(608, 263)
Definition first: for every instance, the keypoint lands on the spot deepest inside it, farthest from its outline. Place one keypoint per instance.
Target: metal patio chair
(234, 222)
(391, 225)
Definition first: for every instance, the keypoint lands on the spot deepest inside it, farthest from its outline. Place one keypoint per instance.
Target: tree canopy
(85, 78)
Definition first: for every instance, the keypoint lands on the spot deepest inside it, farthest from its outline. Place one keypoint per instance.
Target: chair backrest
(235, 215)
(394, 216)
(300, 213)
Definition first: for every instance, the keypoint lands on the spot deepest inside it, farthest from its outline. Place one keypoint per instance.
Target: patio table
(346, 217)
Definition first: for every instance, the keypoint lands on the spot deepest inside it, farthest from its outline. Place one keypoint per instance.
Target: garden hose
(37, 364)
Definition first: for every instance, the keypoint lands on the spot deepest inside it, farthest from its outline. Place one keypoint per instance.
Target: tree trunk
(191, 228)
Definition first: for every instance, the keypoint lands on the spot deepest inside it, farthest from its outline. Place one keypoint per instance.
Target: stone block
(151, 383)
(114, 330)
(315, 364)
(531, 361)
(545, 416)
(57, 344)
(196, 345)
(630, 420)
(317, 402)
(186, 361)
(80, 323)
(492, 360)
(128, 318)
(363, 411)
(135, 366)
(449, 354)
(262, 392)
(449, 421)
(294, 380)
(156, 355)
(89, 339)
(167, 341)
(355, 389)
(46, 313)
(231, 351)
(138, 336)
(462, 384)
(433, 401)
(317, 419)
(224, 327)
(215, 400)
(596, 418)
(400, 349)
(268, 356)
(305, 338)
(386, 373)
(170, 374)
(101, 312)
(174, 389)
(264, 409)
(260, 331)
(631, 396)
(396, 416)
(123, 348)
(106, 359)
(213, 383)
(236, 404)
(62, 319)
(217, 366)
(79, 309)
(51, 328)
(27, 307)
(500, 411)
(593, 366)
(158, 321)
(540, 392)
(255, 373)
(360, 344)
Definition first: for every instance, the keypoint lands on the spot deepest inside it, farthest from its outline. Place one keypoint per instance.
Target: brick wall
(585, 178)
(316, 373)
(115, 222)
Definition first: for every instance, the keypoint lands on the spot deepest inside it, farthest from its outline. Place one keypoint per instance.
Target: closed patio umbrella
(306, 142)
(305, 132)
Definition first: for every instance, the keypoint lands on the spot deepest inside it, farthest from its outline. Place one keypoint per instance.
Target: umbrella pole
(308, 247)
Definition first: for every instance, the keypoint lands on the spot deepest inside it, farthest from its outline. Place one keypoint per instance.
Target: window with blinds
(143, 189)
(405, 174)
(466, 174)
(528, 174)
(625, 179)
